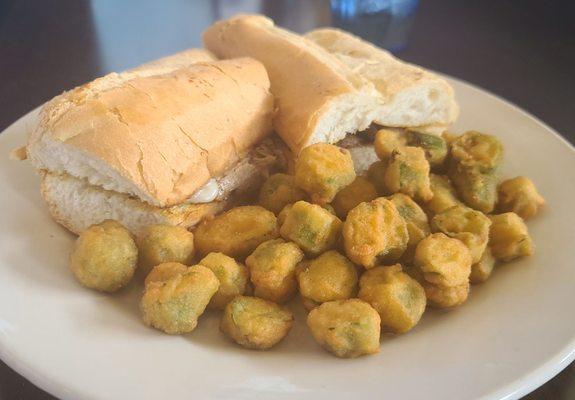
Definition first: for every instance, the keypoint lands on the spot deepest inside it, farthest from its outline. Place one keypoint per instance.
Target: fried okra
(165, 271)
(509, 238)
(398, 298)
(446, 297)
(174, 298)
(478, 151)
(237, 232)
(358, 191)
(278, 191)
(466, 224)
(374, 232)
(232, 275)
(444, 261)
(408, 172)
(329, 208)
(387, 141)
(272, 269)
(441, 296)
(444, 195)
(520, 196)
(376, 175)
(346, 328)
(283, 214)
(158, 244)
(478, 191)
(322, 170)
(415, 220)
(474, 169)
(434, 146)
(328, 277)
(104, 257)
(449, 137)
(312, 227)
(481, 270)
(255, 323)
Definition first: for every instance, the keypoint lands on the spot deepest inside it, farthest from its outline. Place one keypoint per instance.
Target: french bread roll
(412, 97)
(319, 99)
(155, 133)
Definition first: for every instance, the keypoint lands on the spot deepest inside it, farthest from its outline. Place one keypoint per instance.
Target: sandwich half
(319, 98)
(411, 96)
(330, 84)
(173, 141)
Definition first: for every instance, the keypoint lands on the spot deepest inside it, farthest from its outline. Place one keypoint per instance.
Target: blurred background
(522, 50)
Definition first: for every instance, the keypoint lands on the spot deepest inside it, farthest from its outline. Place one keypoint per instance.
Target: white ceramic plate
(514, 333)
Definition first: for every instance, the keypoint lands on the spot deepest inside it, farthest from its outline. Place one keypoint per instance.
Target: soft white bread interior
(155, 135)
(76, 205)
(412, 96)
(319, 98)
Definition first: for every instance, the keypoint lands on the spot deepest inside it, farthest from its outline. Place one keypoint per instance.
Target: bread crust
(174, 61)
(305, 79)
(165, 135)
(392, 78)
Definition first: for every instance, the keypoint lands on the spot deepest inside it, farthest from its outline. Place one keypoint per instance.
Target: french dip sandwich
(330, 84)
(170, 142)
